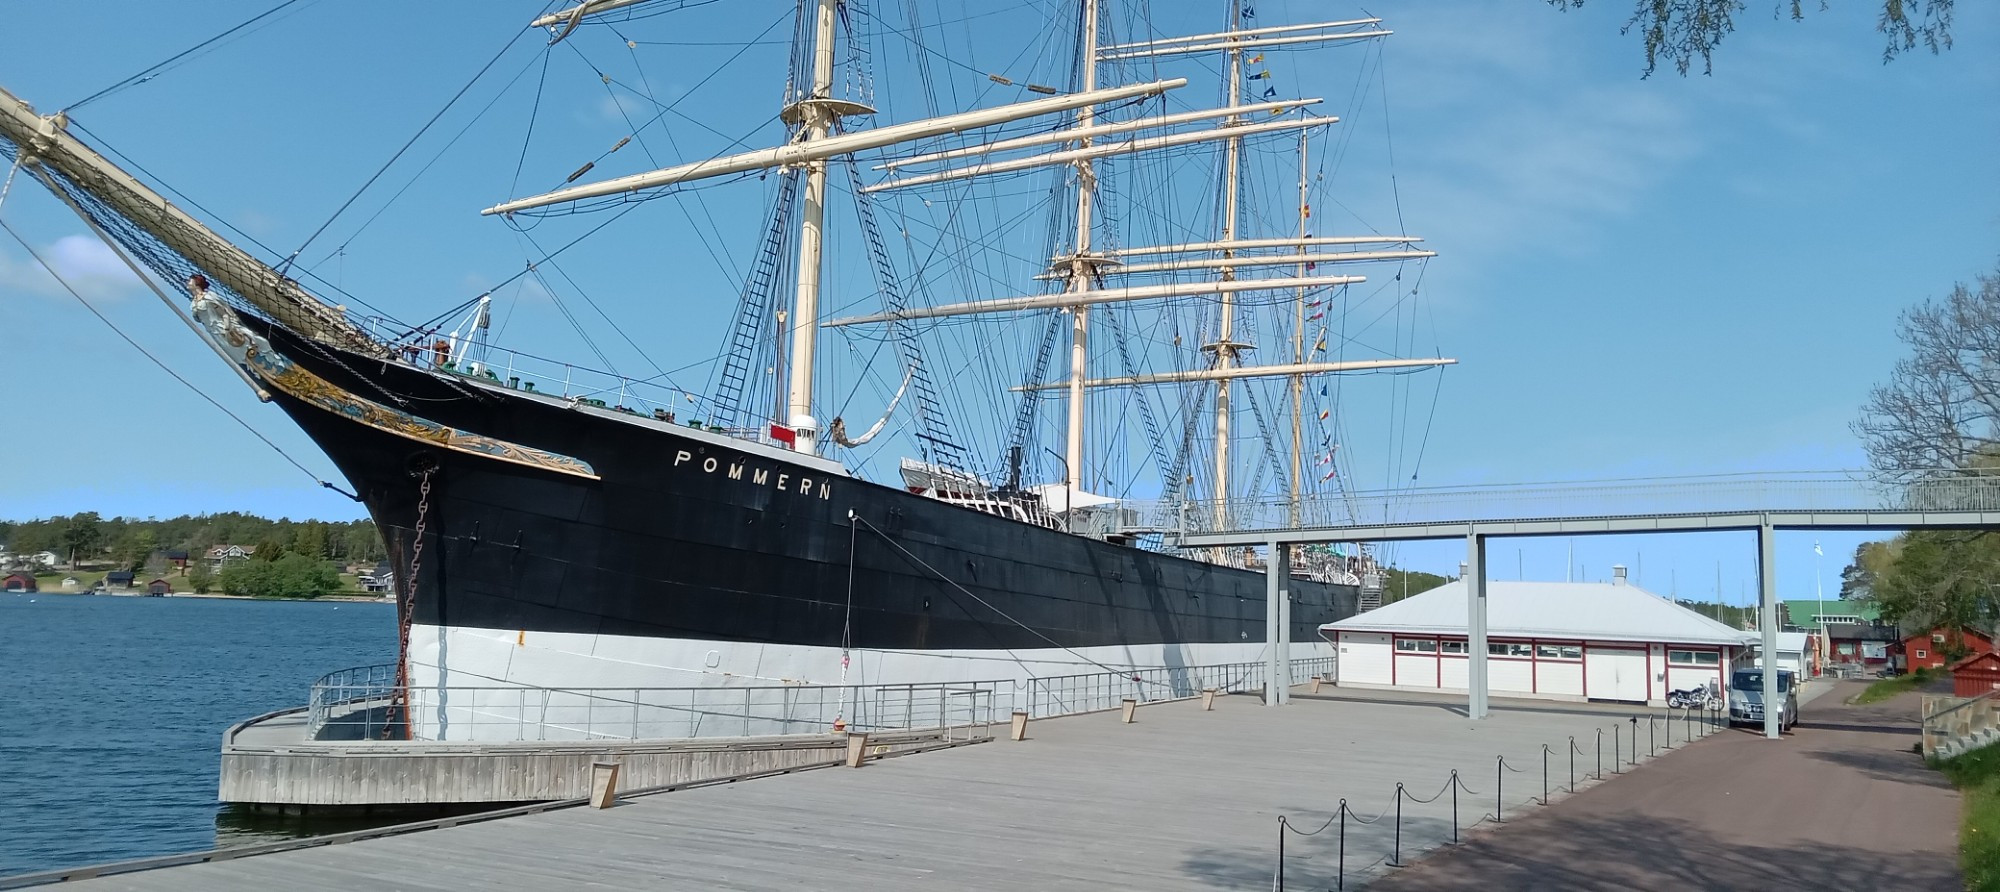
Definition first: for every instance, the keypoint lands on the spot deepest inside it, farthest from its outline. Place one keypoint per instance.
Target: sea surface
(112, 711)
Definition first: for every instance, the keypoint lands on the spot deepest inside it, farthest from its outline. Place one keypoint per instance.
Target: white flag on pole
(1816, 547)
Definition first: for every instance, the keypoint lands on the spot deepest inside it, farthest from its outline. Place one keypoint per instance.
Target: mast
(815, 115)
(1225, 347)
(1299, 347)
(1081, 270)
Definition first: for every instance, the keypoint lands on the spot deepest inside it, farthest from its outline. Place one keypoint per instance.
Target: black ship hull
(686, 557)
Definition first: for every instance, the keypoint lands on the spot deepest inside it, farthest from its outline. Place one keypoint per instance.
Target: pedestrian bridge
(1823, 500)
(1759, 502)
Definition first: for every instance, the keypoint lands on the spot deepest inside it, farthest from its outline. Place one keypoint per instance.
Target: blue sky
(1639, 277)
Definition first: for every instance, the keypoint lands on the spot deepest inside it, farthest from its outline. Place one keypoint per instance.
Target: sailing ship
(571, 534)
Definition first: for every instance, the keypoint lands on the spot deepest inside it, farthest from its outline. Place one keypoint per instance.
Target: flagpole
(1819, 592)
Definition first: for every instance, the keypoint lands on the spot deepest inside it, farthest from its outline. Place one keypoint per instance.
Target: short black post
(1652, 738)
(1635, 740)
(1454, 806)
(1572, 763)
(1545, 774)
(1281, 853)
(1616, 749)
(1396, 854)
(1687, 720)
(1499, 765)
(1670, 729)
(1600, 754)
(1340, 866)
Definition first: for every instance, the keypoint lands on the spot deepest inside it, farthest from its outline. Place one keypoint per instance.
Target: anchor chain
(406, 608)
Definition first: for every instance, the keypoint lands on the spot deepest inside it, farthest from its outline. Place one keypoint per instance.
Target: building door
(1615, 673)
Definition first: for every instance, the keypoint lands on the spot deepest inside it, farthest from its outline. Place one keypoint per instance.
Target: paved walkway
(1181, 800)
(1841, 803)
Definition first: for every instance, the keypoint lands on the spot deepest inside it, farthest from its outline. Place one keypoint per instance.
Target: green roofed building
(1812, 615)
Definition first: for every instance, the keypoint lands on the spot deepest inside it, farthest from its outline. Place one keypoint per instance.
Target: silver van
(1746, 698)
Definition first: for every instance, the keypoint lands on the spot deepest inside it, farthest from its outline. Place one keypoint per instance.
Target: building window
(1509, 650)
(1937, 637)
(1559, 651)
(1704, 658)
(1922, 654)
(1830, 618)
(1452, 647)
(1846, 647)
(1416, 645)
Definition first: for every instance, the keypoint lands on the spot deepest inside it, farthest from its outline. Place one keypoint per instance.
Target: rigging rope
(151, 71)
(163, 366)
(282, 267)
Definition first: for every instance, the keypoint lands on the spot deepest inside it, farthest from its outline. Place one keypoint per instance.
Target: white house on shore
(1550, 640)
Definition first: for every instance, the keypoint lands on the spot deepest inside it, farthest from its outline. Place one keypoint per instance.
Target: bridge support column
(1767, 622)
(1278, 624)
(1475, 624)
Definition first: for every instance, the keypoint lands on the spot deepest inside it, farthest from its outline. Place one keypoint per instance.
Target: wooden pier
(1180, 798)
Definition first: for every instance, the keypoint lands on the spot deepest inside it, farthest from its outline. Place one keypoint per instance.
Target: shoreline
(346, 598)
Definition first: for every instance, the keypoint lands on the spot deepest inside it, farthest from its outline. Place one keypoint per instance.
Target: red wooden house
(1927, 650)
(1975, 675)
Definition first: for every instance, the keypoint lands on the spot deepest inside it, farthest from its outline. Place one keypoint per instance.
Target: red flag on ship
(784, 434)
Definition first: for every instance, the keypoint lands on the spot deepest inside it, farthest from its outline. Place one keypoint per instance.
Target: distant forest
(131, 542)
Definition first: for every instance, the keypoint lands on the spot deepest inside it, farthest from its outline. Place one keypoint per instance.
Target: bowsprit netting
(169, 242)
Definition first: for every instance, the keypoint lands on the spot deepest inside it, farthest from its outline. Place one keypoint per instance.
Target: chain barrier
(1345, 814)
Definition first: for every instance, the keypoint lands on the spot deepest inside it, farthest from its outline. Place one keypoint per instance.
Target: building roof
(1791, 642)
(1596, 611)
(1800, 613)
(117, 576)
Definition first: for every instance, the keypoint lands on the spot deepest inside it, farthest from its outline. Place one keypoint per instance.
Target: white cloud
(81, 260)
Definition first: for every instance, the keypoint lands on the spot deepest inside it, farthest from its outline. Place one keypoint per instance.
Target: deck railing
(360, 704)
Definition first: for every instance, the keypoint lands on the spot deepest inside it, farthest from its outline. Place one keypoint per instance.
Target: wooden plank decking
(1182, 799)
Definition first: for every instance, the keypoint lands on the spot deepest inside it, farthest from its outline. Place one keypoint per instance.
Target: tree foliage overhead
(1681, 31)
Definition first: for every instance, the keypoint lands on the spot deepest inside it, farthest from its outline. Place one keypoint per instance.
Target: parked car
(1746, 698)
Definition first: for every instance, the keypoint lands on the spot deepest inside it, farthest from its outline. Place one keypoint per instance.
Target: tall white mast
(816, 112)
(1299, 348)
(1225, 347)
(1082, 269)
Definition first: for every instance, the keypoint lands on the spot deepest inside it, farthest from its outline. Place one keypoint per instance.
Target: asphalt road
(1841, 803)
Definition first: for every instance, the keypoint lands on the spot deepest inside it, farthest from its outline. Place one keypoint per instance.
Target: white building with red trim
(1551, 640)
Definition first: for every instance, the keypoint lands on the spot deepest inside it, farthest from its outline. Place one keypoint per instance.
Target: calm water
(112, 711)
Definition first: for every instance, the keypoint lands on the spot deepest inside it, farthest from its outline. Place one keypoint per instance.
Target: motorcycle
(1692, 698)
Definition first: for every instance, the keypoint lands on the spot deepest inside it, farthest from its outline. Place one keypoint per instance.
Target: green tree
(83, 536)
(1857, 580)
(290, 576)
(1680, 31)
(1940, 578)
(269, 548)
(135, 548)
(1398, 583)
(201, 578)
(311, 539)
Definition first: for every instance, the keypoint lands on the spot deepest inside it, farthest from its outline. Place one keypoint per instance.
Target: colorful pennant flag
(1271, 92)
(1316, 316)
(1259, 76)
(1329, 475)
(1256, 58)
(1323, 413)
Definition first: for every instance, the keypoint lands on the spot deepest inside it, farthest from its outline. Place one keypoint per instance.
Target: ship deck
(1180, 799)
